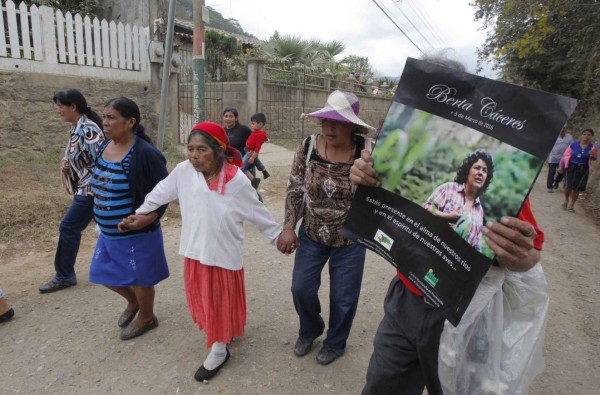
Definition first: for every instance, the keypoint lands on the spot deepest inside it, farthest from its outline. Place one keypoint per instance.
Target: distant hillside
(184, 11)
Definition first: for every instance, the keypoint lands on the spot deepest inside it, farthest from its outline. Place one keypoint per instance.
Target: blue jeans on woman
(77, 218)
(346, 264)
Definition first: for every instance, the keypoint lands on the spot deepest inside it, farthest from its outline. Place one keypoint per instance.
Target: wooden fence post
(48, 35)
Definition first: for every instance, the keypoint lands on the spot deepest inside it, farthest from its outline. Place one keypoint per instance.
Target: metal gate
(213, 96)
(282, 100)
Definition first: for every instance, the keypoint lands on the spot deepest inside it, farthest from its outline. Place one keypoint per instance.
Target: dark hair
(442, 58)
(69, 97)
(463, 171)
(259, 117)
(129, 109)
(588, 130)
(232, 110)
(213, 144)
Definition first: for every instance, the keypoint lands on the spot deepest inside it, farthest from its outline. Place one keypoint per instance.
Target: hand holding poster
(455, 151)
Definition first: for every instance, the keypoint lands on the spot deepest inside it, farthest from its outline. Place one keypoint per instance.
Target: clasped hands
(287, 241)
(136, 222)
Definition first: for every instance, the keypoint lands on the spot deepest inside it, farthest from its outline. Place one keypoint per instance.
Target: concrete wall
(29, 124)
(283, 107)
(234, 95)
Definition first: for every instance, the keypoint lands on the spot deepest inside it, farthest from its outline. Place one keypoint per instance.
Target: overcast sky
(364, 28)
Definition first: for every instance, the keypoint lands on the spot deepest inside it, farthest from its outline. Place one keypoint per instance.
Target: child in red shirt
(256, 139)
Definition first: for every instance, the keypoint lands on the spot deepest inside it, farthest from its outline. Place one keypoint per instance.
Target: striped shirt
(112, 198)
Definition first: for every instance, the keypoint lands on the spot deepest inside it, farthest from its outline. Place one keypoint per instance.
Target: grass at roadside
(33, 201)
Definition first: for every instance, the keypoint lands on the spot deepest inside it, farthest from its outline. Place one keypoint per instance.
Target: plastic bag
(497, 347)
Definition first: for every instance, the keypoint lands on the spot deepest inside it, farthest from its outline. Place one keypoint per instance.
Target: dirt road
(68, 342)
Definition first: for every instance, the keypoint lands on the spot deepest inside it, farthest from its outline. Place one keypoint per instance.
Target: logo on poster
(431, 278)
(383, 239)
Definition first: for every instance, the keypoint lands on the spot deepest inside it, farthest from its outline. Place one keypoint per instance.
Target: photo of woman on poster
(458, 202)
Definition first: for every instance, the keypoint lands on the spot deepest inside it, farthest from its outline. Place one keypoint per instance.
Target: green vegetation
(184, 10)
(225, 59)
(552, 45)
(87, 7)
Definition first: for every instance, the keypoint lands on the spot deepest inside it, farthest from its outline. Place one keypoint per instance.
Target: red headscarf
(217, 132)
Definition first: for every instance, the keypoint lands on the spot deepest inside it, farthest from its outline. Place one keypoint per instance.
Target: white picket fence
(46, 40)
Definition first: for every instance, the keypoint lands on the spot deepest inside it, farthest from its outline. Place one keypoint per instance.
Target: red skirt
(216, 298)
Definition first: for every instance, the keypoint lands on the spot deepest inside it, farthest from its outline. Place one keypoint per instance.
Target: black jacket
(237, 136)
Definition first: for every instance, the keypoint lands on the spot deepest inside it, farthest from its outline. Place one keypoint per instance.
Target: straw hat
(342, 106)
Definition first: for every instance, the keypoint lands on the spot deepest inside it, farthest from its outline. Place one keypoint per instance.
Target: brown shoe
(127, 316)
(132, 330)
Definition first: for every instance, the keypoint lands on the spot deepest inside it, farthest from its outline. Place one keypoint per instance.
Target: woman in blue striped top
(130, 263)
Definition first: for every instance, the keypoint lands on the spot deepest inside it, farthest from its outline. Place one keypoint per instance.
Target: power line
(395, 24)
(413, 25)
(433, 28)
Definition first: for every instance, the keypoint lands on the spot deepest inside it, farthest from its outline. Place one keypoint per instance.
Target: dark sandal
(203, 374)
(127, 316)
(7, 316)
(132, 330)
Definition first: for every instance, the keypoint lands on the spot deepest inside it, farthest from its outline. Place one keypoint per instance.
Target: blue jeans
(251, 166)
(346, 264)
(78, 217)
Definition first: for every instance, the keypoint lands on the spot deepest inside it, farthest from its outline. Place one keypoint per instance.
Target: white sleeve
(259, 215)
(164, 192)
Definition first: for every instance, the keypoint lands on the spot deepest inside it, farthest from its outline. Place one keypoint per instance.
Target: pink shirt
(449, 197)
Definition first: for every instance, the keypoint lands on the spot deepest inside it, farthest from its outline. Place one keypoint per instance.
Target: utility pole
(166, 72)
(198, 59)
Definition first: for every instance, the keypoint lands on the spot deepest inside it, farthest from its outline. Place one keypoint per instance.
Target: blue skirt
(138, 260)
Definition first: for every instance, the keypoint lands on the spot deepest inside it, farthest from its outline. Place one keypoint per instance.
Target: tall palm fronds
(291, 49)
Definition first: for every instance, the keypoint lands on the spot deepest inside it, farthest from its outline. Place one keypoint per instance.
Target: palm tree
(290, 49)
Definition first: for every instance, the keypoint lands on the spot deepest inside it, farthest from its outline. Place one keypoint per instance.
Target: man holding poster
(438, 116)
(405, 355)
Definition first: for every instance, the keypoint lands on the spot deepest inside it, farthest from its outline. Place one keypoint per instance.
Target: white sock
(217, 355)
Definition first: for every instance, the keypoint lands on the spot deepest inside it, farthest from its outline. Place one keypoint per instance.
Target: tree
(553, 45)
(86, 7)
(224, 57)
(359, 66)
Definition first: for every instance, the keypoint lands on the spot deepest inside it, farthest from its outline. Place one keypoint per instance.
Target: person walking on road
(563, 141)
(85, 137)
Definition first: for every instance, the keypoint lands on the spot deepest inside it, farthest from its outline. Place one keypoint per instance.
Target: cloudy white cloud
(363, 28)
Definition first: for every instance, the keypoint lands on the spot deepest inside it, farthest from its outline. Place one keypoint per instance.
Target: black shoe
(7, 316)
(327, 356)
(255, 182)
(266, 174)
(204, 374)
(52, 286)
(302, 348)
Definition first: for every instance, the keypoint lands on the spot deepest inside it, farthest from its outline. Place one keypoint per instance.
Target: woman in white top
(215, 199)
